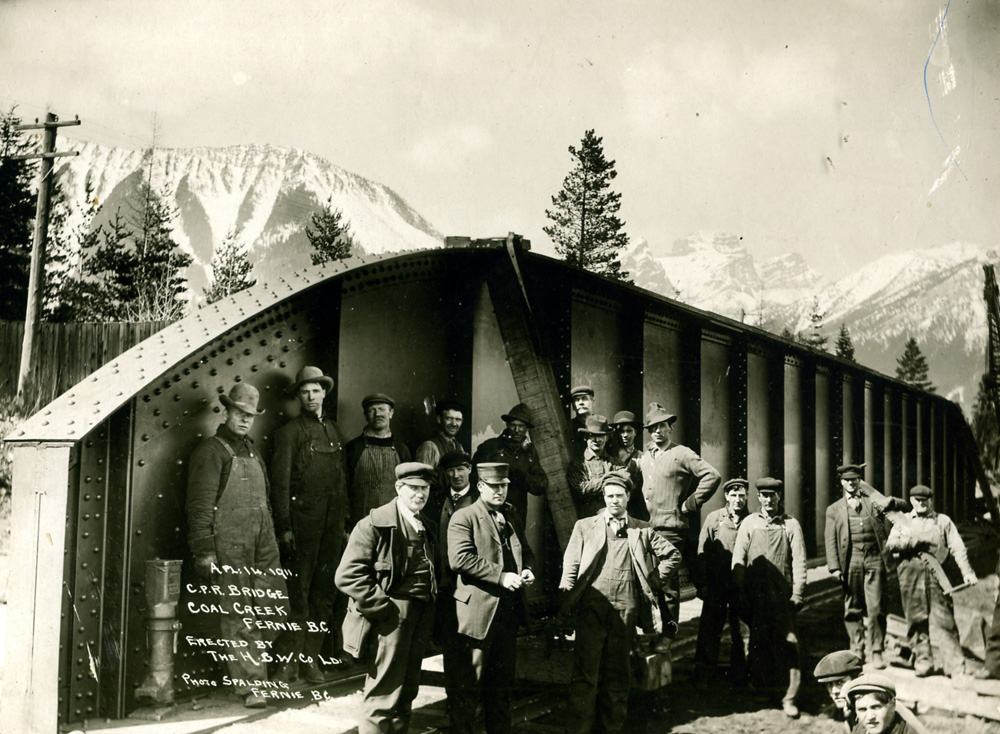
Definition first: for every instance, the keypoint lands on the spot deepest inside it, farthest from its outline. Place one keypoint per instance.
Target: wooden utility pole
(36, 275)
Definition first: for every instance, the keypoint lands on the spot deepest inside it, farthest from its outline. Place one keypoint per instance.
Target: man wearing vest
(388, 573)
(492, 561)
(229, 526)
(585, 473)
(373, 456)
(455, 650)
(613, 566)
(309, 496)
(769, 572)
(449, 417)
(856, 532)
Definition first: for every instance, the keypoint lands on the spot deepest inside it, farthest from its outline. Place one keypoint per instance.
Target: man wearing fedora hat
(676, 482)
(856, 532)
(514, 448)
(230, 528)
(309, 496)
(585, 473)
(624, 452)
(581, 401)
(373, 456)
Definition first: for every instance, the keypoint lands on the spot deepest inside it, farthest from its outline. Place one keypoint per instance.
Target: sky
(841, 130)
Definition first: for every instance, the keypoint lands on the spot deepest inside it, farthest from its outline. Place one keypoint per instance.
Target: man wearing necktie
(613, 567)
(856, 532)
(456, 467)
(388, 573)
(492, 560)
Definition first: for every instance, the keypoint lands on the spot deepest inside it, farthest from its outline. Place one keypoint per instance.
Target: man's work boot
(923, 667)
(311, 673)
(253, 701)
(285, 673)
(790, 709)
(877, 662)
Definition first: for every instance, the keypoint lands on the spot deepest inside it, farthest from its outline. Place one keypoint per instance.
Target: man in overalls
(232, 537)
(769, 570)
(309, 495)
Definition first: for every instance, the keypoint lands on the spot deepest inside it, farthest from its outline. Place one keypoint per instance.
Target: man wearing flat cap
(923, 541)
(493, 565)
(456, 653)
(613, 566)
(714, 581)
(856, 532)
(585, 473)
(872, 698)
(388, 573)
(230, 526)
(581, 401)
(676, 482)
(309, 497)
(624, 452)
(450, 414)
(769, 571)
(514, 448)
(373, 456)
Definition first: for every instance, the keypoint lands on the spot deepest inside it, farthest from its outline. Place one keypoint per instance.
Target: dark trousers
(318, 524)
(715, 611)
(459, 672)
(670, 603)
(394, 676)
(774, 645)
(864, 615)
(493, 660)
(602, 674)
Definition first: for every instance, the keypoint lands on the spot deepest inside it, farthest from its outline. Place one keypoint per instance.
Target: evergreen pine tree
(845, 347)
(330, 235)
(17, 217)
(814, 338)
(230, 269)
(585, 227)
(786, 333)
(911, 367)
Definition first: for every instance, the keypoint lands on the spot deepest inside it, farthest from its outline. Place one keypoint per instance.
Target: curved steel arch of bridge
(100, 473)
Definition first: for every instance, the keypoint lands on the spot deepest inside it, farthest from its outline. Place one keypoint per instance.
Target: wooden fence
(66, 353)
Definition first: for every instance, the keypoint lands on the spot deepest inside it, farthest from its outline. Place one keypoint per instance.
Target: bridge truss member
(613, 566)
(769, 570)
(388, 573)
(231, 534)
(856, 532)
(309, 496)
(919, 540)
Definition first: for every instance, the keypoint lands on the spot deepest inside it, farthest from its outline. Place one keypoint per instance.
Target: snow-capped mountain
(933, 295)
(265, 194)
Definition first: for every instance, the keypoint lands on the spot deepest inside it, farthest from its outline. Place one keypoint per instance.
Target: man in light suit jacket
(613, 567)
(488, 552)
(856, 532)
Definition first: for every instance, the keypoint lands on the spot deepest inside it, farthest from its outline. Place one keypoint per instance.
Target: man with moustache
(581, 400)
(373, 456)
(309, 496)
(624, 452)
(388, 573)
(585, 474)
(450, 414)
(455, 650)
(229, 525)
(488, 553)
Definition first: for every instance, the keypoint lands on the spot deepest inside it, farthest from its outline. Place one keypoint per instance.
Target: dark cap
(837, 665)
(310, 374)
(442, 405)
(769, 484)
(597, 425)
(869, 683)
(850, 471)
(735, 483)
(617, 479)
(519, 412)
(455, 458)
(581, 390)
(377, 397)
(624, 418)
(414, 472)
(493, 473)
(656, 413)
(242, 396)
(921, 490)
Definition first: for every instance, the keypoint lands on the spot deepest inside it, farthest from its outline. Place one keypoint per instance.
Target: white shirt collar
(412, 519)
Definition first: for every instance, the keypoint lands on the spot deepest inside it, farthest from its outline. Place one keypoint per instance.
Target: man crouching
(612, 569)
(388, 572)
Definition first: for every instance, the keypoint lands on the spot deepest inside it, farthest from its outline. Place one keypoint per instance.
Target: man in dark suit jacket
(388, 573)
(613, 567)
(488, 552)
(856, 532)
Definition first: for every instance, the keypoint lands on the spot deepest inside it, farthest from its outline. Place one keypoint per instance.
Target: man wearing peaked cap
(493, 563)
(450, 414)
(229, 523)
(872, 700)
(613, 566)
(514, 448)
(714, 582)
(372, 457)
(585, 473)
(581, 401)
(309, 497)
(624, 452)
(856, 532)
(676, 482)
(388, 573)
(769, 571)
